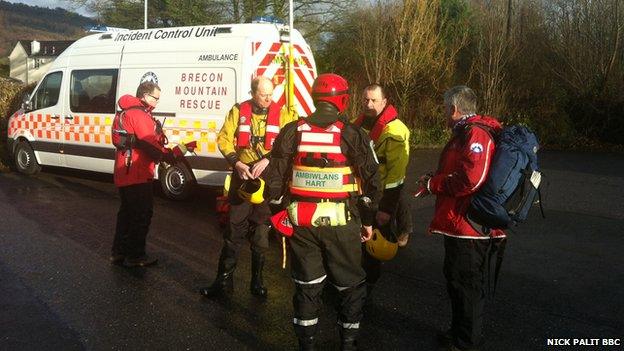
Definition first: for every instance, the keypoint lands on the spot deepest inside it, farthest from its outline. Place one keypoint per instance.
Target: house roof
(47, 48)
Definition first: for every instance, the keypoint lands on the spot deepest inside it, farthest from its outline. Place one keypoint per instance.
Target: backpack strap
(481, 126)
(539, 197)
(123, 112)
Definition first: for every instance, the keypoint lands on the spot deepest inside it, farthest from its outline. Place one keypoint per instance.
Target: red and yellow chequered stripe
(96, 129)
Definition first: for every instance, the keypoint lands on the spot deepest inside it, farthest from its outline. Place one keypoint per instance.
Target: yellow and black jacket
(227, 138)
(391, 142)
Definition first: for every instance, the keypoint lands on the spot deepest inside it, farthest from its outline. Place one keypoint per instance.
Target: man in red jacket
(463, 168)
(134, 173)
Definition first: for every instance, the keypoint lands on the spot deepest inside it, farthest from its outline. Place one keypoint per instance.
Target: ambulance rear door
(270, 54)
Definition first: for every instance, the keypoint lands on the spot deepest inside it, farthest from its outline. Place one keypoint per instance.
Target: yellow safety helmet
(380, 248)
(252, 191)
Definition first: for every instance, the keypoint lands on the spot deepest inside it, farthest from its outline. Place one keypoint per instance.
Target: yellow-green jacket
(390, 137)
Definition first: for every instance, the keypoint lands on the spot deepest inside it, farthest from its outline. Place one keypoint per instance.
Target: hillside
(19, 21)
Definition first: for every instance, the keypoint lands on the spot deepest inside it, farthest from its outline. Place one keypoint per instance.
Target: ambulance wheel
(176, 182)
(25, 160)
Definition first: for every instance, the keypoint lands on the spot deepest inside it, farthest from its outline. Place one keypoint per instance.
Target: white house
(30, 59)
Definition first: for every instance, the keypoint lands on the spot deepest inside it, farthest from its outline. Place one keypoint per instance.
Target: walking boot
(307, 343)
(257, 264)
(306, 337)
(223, 284)
(348, 339)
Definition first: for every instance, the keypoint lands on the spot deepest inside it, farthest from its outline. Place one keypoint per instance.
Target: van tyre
(176, 181)
(25, 160)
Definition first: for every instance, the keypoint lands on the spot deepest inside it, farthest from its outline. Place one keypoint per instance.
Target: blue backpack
(513, 181)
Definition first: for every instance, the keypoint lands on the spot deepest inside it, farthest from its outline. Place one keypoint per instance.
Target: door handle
(69, 117)
(55, 117)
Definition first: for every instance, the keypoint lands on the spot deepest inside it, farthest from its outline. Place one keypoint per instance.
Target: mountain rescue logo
(242, 119)
(149, 77)
(476, 148)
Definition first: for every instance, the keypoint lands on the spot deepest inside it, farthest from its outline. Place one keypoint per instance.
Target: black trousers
(403, 213)
(133, 220)
(400, 223)
(248, 222)
(319, 254)
(467, 265)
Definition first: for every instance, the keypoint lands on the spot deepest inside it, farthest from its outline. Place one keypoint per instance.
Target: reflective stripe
(435, 231)
(305, 322)
(350, 325)
(342, 170)
(372, 147)
(320, 149)
(244, 128)
(486, 168)
(333, 129)
(315, 281)
(317, 137)
(272, 129)
(304, 127)
(348, 188)
(294, 218)
(395, 184)
(340, 288)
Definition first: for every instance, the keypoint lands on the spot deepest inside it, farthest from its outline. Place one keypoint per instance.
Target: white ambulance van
(202, 71)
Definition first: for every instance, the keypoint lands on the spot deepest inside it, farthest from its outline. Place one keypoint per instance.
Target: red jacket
(149, 147)
(463, 168)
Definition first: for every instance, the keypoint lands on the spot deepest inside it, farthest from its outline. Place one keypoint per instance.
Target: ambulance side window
(93, 90)
(48, 92)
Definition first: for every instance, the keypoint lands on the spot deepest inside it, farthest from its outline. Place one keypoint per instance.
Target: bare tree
(404, 45)
(586, 39)
(312, 17)
(373, 40)
(495, 48)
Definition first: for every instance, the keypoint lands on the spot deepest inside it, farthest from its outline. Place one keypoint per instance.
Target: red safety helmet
(281, 223)
(332, 88)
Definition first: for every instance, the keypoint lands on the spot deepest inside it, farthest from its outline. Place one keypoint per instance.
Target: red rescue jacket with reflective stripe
(244, 125)
(320, 168)
(463, 168)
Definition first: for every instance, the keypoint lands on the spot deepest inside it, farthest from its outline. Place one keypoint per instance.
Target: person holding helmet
(327, 170)
(245, 140)
(394, 219)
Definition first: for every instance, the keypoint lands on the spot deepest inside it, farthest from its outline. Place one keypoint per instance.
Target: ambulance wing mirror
(26, 103)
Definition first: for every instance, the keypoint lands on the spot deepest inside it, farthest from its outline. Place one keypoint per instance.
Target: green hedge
(11, 93)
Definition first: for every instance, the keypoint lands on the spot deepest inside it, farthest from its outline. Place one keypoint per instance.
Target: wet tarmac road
(562, 276)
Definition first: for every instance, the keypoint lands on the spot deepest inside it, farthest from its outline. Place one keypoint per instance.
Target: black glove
(168, 157)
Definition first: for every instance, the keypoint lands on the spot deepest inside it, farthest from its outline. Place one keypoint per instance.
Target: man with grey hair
(462, 170)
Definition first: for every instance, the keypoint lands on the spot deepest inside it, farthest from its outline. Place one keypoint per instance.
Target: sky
(53, 4)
